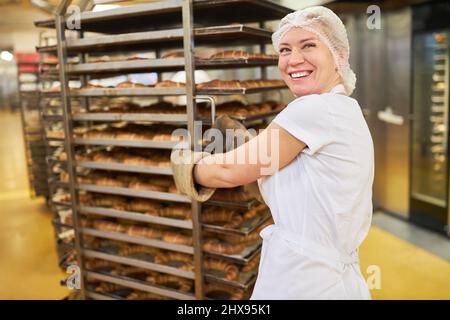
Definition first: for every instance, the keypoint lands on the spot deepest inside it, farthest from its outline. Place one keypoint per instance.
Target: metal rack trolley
(154, 26)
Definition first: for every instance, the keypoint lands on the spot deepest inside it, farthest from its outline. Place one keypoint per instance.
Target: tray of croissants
(239, 275)
(131, 132)
(235, 108)
(233, 197)
(213, 218)
(215, 86)
(234, 246)
(201, 56)
(213, 290)
(126, 156)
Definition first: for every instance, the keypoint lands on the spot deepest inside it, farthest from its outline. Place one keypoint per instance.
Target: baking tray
(153, 117)
(164, 14)
(135, 193)
(139, 285)
(139, 263)
(246, 228)
(164, 65)
(111, 166)
(233, 91)
(128, 143)
(135, 216)
(144, 241)
(128, 92)
(244, 281)
(243, 258)
(231, 35)
(102, 296)
(230, 204)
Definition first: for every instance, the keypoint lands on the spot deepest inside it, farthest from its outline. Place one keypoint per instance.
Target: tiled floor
(430, 241)
(28, 262)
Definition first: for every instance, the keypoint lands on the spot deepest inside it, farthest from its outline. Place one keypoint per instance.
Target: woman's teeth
(302, 74)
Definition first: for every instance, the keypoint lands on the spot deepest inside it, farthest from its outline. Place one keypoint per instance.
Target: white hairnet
(331, 31)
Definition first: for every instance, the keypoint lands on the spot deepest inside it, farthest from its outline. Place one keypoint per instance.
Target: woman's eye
(309, 45)
(284, 50)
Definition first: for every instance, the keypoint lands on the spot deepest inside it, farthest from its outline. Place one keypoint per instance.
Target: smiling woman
(319, 187)
(307, 66)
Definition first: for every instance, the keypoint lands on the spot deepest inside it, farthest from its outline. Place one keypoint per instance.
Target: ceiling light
(6, 55)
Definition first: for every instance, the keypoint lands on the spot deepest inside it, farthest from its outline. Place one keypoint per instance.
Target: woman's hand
(265, 154)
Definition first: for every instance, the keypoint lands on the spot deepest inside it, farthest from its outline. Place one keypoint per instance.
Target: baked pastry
(231, 54)
(167, 280)
(217, 246)
(109, 201)
(92, 86)
(144, 232)
(176, 259)
(219, 84)
(135, 272)
(139, 295)
(136, 58)
(128, 250)
(107, 287)
(222, 292)
(177, 237)
(147, 206)
(173, 55)
(109, 181)
(252, 264)
(129, 84)
(247, 239)
(230, 271)
(255, 211)
(222, 216)
(176, 211)
(232, 195)
(170, 84)
(144, 185)
(108, 226)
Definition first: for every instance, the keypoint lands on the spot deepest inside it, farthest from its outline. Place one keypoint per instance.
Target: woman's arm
(270, 151)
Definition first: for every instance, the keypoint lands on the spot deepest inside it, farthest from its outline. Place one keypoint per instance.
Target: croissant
(222, 292)
(145, 296)
(144, 232)
(178, 238)
(129, 84)
(130, 250)
(170, 84)
(179, 260)
(177, 283)
(231, 270)
(253, 212)
(176, 211)
(230, 54)
(147, 206)
(216, 246)
(222, 216)
(173, 55)
(232, 195)
(108, 226)
(140, 185)
(252, 264)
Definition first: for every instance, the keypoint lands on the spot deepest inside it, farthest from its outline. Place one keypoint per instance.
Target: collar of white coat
(338, 89)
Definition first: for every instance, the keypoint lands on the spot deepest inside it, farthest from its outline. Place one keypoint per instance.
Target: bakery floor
(400, 260)
(28, 260)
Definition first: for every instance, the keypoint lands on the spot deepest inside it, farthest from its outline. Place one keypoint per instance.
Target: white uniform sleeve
(309, 120)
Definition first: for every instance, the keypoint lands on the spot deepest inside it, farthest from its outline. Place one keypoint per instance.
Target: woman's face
(306, 64)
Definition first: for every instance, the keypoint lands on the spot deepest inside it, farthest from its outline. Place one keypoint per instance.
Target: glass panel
(430, 126)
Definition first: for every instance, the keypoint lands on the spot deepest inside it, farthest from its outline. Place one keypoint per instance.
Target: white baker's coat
(321, 203)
